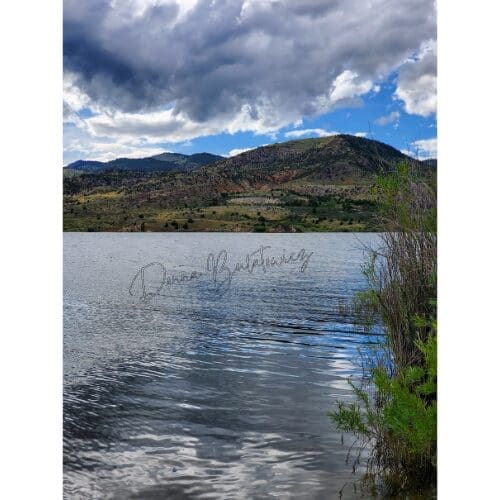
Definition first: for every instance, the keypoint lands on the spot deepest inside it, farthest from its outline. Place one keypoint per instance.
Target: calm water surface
(205, 393)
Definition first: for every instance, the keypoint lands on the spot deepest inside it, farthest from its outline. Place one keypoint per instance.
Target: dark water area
(206, 392)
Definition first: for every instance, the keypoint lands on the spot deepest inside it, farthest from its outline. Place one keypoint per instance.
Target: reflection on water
(200, 393)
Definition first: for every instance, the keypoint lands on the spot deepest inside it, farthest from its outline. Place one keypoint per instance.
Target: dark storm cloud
(224, 54)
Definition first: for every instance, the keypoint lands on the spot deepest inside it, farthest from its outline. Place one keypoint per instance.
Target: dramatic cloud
(387, 119)
(172, 126)
(171, 71)
(417, 82)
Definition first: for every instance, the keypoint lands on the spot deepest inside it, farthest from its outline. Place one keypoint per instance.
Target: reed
(395, 414)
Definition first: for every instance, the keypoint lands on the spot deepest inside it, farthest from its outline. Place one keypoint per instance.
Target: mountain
(163, 162)
(326, 158)
(319, 184)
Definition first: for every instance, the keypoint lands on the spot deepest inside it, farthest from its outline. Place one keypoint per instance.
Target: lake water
(206, 392)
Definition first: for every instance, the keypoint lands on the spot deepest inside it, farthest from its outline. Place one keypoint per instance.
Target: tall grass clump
(395, 414)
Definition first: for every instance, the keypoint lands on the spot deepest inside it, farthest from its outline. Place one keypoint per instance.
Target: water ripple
(205, 395)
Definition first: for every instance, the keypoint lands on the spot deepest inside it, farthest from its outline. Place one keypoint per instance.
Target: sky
(224, 76)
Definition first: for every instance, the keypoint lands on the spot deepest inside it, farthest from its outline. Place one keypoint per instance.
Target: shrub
(396, 415)
(403, 272)
(399, 422)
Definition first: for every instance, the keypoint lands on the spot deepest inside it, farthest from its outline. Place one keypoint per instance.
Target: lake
(208, 382)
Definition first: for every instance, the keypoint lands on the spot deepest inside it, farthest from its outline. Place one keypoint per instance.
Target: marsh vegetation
(395, 415)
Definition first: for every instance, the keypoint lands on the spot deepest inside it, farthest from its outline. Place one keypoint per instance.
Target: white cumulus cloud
(422, 149)
(417, 82)
(387, 119)
(317, 132)
(348, 86)
(237, 151)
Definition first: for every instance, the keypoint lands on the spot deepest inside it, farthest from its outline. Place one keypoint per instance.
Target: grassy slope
(291, 207)
(307, 185)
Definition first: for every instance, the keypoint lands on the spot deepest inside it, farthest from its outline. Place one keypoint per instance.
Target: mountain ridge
(330, 156)
(163, 162)
(298, 151)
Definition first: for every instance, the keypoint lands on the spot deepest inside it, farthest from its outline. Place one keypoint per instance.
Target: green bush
(399, 422)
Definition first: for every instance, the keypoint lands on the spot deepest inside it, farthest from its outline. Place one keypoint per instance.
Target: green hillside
(306, 185)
